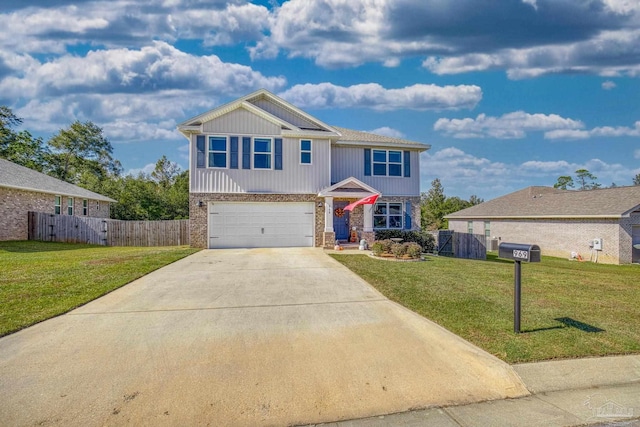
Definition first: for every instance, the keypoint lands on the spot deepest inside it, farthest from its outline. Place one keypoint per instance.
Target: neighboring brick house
(263, 173)
(562, 221)
(23, 190)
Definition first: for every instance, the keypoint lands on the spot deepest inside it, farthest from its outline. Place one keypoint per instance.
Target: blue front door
(341, 221)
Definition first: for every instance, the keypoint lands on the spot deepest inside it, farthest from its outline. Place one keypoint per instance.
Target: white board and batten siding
(349, 161)
(259, 225)
(241, 122)
(294, 178)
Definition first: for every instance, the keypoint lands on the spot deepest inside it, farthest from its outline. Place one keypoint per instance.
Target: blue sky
(508, 94)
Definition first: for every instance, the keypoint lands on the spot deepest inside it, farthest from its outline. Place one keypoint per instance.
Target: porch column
(328, 214)
(368, 218)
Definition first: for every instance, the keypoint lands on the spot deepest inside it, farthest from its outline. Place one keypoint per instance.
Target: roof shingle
(16, 176)
(534, 202)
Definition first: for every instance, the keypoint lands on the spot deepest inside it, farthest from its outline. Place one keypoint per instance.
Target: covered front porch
(343, 225)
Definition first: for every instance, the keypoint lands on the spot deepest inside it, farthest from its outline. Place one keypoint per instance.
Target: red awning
(369, 200)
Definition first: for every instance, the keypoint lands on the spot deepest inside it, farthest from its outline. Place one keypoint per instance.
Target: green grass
(474, 299)
(41, 280)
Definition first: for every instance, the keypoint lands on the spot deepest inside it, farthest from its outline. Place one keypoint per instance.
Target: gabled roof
(547, 202)
(21, 178)
(349, 187)
(280, 112)
(252, 103)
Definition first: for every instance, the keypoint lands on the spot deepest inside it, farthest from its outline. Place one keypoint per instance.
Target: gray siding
(286, 115)
(242, 122)
(294, 178)
(349, 161)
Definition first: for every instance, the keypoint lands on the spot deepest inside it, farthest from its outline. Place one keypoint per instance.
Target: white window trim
(470, 227)
(310, 151)
(70, 206)
(57, 203)
(85, 207)
(387, 163)
(388, 214)
(271, 153)
(227, 152)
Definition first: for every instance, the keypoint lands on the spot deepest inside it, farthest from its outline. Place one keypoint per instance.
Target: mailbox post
(518, 252)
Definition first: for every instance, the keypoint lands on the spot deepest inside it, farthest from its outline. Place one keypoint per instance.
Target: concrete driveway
(240, 337)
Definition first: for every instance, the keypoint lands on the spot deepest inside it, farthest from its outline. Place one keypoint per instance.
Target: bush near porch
(425, 240)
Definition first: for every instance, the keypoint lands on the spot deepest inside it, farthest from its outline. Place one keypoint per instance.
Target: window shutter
(246, 152)
(278, 154)
(407, 164)
(407, 216)
(367, 162)
(200, 152)
(233, 156)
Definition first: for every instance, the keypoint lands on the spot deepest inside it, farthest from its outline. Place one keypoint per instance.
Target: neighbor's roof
(349, 135)
(19, 177)
(550, 202)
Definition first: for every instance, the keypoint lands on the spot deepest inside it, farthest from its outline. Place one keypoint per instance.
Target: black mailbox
(519, 252)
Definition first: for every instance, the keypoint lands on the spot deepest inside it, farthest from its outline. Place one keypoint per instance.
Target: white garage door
(260, 225)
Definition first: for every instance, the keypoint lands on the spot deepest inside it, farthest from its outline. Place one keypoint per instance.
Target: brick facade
(560, 237)
(199, 221)
(15, 204)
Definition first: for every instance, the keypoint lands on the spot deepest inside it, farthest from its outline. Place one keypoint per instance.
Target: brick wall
(198, 215)
(558, 237)
(14, 205)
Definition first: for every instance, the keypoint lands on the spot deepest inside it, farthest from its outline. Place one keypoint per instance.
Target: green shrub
(413, 250)
(398, 249)
(386, 245)
(377, 248)
(425, 240)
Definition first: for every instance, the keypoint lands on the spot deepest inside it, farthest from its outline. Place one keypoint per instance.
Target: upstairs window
(387, 163)
(57, 204)
(387, 216)
(262, 153)
(305, 151)
(217, 152)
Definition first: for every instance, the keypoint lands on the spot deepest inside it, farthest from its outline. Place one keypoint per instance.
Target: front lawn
(40, 280)
(569, 309)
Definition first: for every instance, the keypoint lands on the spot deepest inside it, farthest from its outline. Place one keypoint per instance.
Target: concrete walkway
(598, 391)
(241, 337)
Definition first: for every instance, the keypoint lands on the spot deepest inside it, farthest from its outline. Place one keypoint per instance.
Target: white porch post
(368, 218)
(328, 214)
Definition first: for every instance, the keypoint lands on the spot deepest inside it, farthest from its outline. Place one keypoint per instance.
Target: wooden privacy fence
(461, 245)
(107, 232)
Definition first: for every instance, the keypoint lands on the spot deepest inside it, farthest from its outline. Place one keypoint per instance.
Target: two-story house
(264, 173)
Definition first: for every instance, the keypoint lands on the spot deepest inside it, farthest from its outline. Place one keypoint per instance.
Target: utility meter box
(597, 244)
(519, 252)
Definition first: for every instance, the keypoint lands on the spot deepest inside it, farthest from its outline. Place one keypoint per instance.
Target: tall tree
(432, 205)
(20, 147)
(165, 172)
(563, 182)
(586, 180)
(475, 200)
(636, 179)
(82, 148)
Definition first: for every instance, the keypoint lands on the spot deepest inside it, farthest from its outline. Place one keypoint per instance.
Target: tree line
(435, 205)
(80, 154)
(585, 180)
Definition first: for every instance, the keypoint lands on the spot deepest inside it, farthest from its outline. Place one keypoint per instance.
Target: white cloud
(603, 131)
(608, 85)
(149, 69)
(387, 131)
(508, 126)
(611, 53)
(146, 169)
(373, 95)
(464, 174)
